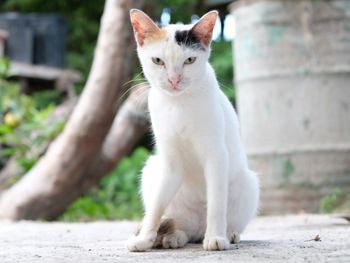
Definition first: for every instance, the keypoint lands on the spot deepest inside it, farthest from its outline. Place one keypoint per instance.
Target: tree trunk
(48, 187)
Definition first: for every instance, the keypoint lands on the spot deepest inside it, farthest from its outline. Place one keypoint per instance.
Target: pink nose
(174, 81)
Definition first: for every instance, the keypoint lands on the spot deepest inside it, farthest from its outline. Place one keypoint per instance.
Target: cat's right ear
(203, 29)
(143, 25)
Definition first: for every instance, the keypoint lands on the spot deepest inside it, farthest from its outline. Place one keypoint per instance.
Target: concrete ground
(267, 239)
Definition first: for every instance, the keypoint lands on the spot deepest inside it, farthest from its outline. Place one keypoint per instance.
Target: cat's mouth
(173, 91)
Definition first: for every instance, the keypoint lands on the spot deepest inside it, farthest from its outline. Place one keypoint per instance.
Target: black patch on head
(188, 39)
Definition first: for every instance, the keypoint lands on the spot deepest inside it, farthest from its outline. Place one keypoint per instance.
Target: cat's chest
(180, 118)
(171, 120)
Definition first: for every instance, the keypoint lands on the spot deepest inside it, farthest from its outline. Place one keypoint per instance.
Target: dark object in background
(49, 39)
(38, 39)
(19, 44)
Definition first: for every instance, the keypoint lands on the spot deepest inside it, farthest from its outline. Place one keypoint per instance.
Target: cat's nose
(174, 81)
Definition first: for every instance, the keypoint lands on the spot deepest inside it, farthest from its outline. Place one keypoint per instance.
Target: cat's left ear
(203, 29)
(144, 27)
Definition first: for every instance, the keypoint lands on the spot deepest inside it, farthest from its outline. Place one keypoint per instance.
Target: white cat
(198, 184)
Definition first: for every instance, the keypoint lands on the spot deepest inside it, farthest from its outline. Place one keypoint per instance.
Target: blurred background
(284, 65)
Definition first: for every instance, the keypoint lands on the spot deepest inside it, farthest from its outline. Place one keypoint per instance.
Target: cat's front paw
(139, 244)
(216, 243)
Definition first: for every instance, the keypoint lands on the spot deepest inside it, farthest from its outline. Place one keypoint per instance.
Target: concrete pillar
(292, 73)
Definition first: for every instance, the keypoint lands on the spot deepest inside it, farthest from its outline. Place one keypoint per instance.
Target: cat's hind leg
(169, 236)
(242, 204)
(233, 236)
(177, 239)
(160, 182)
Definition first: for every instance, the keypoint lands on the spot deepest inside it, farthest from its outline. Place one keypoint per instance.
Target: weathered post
(292, 61)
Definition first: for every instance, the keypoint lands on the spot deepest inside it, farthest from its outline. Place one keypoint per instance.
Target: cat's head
(174, 57)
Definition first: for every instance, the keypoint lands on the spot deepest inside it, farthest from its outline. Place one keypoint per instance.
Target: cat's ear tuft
(203, 29)
(143, 26)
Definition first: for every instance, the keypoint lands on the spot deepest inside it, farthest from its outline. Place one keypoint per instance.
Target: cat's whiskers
(141, 99)
(121, 98)
(135, 79)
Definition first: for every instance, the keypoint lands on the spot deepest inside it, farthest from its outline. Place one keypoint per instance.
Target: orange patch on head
(160, 35)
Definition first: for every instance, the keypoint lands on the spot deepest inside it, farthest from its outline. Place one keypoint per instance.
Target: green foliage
(222, 61)
(334, 201)
(24, 124)
(45, 98)
(117, 196)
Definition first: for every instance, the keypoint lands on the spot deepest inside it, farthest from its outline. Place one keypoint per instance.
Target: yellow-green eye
(190, 60)
(158, 61)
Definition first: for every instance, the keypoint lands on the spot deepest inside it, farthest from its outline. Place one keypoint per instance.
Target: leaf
(4, 66)
(4, 129)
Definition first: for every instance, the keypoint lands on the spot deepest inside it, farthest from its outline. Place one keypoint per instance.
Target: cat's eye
(190, 60)
(158, 61)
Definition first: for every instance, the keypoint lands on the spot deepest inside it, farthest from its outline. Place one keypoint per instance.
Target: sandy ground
(267, 239)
